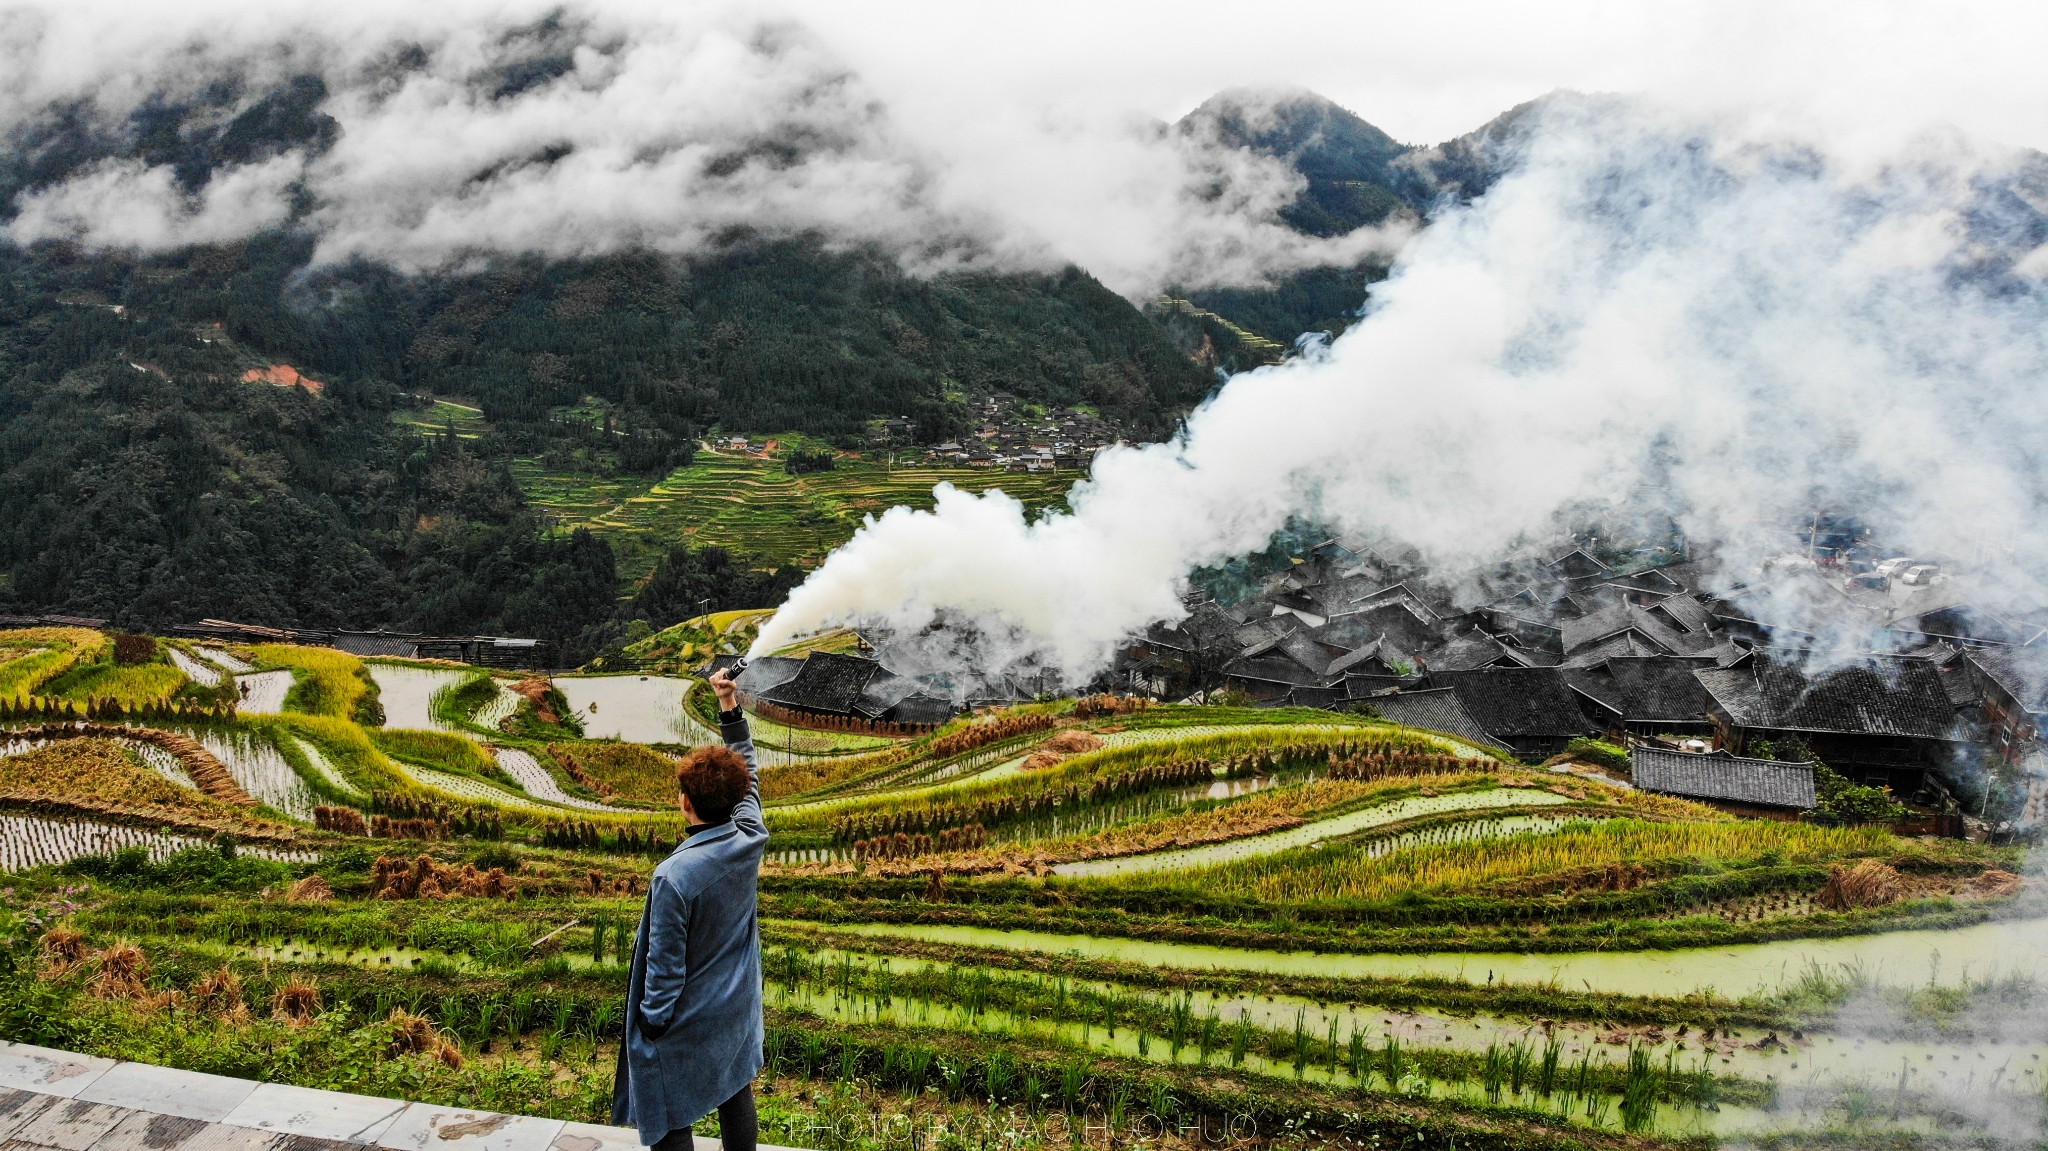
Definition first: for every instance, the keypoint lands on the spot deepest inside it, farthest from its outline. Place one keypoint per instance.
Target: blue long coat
(693, 1009)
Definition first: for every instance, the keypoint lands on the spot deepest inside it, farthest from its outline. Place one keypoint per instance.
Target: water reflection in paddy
(638, 709)
(407, 694)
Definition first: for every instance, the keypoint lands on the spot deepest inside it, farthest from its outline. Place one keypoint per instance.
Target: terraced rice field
(1352, 934)
(498, 710)
(637, 709)
(755, 508)
(476, 791)
(325, 769)
(30, 841)
(262, 771)
(263, 692)
(528, 773)
(1310, 834)
(226, 660)
(198, 671)
(164, 763)
(407, 693)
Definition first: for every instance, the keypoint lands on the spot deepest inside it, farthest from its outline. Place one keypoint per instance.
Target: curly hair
(715, 779)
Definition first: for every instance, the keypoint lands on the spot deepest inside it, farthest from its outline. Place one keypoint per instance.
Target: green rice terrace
(753, 506)
(1084, 922)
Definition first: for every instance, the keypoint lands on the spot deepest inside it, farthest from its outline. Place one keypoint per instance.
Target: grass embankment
(441, 750)
(325, 682)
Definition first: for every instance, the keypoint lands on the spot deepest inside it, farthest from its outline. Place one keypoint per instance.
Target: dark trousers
(738, 1126)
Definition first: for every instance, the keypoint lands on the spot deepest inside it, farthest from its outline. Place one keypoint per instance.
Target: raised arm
(732, 724)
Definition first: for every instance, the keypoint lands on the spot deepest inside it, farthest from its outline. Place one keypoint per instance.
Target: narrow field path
(64, 1101)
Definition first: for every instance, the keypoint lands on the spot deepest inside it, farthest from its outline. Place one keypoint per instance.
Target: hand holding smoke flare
(1646, 312)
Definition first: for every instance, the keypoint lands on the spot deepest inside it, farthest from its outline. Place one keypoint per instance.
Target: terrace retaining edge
(64, 1101)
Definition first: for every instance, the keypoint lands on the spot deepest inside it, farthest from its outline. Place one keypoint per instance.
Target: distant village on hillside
(1015, 437)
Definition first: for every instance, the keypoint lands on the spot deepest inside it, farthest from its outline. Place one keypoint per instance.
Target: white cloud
(1654, 311)
(664, 127)
(125, 204)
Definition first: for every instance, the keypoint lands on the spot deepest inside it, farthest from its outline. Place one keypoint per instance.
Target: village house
(1644, 696)
(1888, 721)
(1750, 787)
(841, 692)
(2013, 687)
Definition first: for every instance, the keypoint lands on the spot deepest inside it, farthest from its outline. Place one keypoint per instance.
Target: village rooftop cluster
(1649, 658)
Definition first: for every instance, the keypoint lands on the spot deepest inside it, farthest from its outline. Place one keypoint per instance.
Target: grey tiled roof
(1686, 612)
(1473, 649)
(767, 672)
(1653, 689)
(2021, 671)
(827, 682)
(1512, 703)
(1884, 696)
(1437, 709)
(1719, 775)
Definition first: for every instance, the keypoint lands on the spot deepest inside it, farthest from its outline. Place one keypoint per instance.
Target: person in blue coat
(693, 1012)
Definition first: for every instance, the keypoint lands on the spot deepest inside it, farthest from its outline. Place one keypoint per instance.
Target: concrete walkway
(60, 1101)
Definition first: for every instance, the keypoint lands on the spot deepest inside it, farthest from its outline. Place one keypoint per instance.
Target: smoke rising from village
(466, 131)
(1653, 311)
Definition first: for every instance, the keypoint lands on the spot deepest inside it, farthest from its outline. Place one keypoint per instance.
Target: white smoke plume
(1653, 310)
(469, 130)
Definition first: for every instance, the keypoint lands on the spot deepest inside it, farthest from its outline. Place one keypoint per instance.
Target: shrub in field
(1840, 801)
(416, 1035)
(1109, 703)
(577, 834)
(63, 949)
(543, 712)
(134, 649)
(296, 1002)
(1598, 751)
(393, 877)
(310, 889)
(399, 815)
(123, 973)
(981, 732)
(341, 820)
(219, 993)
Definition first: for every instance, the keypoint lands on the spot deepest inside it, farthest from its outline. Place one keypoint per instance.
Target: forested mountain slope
(144, 476)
